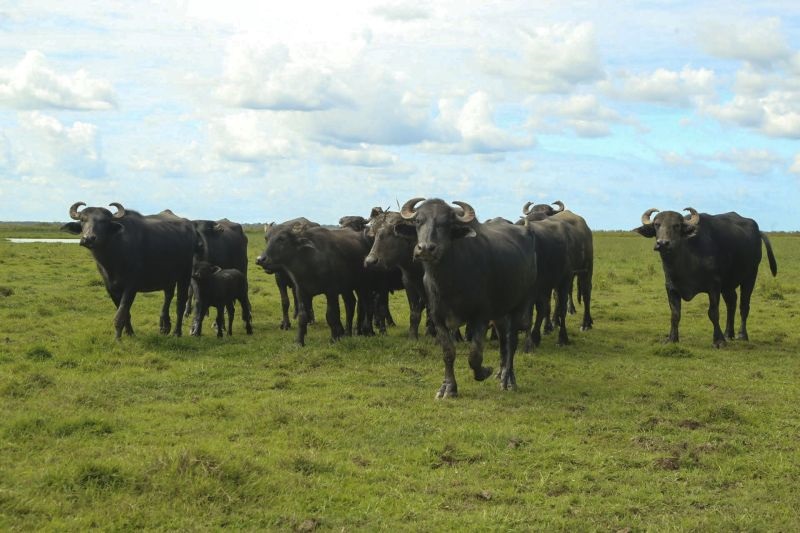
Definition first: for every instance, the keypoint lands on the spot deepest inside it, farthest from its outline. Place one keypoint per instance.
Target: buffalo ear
(116, 227)
(462, 231)
(407, 231)
(304, 243)
(216, 269)
(689, 231)
(646, 230)
(72, 227)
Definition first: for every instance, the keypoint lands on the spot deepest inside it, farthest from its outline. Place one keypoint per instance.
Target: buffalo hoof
(720, 343)
(483, 373)
(286, 325)
(586, 327)
(248, 329)
(669, 340)
(177, 333)
(743, 337)
(548, 328)
(447, 390)
(508, 381)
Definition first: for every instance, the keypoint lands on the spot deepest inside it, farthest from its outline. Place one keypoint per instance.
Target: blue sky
(258, 111)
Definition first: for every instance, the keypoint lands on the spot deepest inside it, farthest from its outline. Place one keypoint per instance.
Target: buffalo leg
(729, 295)
(199, 314)
(229, 307)
(220, 320)
(550, 325)
(479, 371)
(507, 331)
(333, 316)
(247, 314)
(164, 323)
(302, 317)
(561, 306)
(535, 336)
(283, 290)
(415, 305)
(449, 388)
(585, 293)
(349, 310)
(123, 314)
(116, 299)
(713, 315)
(744, 306)
(189, 302)
(183, 294)
(675, 314)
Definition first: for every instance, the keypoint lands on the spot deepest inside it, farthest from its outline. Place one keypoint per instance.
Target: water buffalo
(474, 273)
(321, 261)
(136, 253)
(714, 254)
(394, 249)
(221, 243)
(220, 288)
(282, 279)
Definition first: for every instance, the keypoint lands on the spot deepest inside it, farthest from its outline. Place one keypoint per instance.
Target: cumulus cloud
(552, 59)
(74, 149)
(760, 43)
(583, 114)
(32, 84)
(277, 78)
(664, 86)
(753, 162)
(470, 128)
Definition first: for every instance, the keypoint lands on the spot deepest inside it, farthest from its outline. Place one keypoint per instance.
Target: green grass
(614, 431)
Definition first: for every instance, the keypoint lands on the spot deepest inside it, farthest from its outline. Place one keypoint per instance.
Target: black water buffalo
(221, 243)
(220, 288)
(563, 250)
(583, 254)
(394, 249)
(354, 222)
(714, 254)
(474, 273)
(533, 212)
(282, 279)
(136, 253)
(321, 261)
(382, 281)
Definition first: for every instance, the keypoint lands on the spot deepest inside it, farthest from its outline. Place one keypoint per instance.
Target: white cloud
(776, 114)
(665, 86)
(275, 77)
(553, 58)
(760, 43)
(753, 162)
(74, 149)
(254, 137)
(584, 114)
(470, 128)
(32, 84)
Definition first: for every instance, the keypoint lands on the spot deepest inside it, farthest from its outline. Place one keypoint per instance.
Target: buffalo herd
(497, 275)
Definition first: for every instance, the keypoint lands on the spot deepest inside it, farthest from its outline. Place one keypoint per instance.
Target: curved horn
(694, 217)
(560, 204)
(469, 212)
(409, 211)
(647, 214)
(73, 210)
(526, 209)
(120, 210)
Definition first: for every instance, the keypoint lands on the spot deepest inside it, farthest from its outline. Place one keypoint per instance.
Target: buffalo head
(95, 225)
(283, 242)
(393, 237)
(203, 270)
(438, 225)
(669, 228)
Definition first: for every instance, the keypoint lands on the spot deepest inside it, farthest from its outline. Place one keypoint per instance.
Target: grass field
(615, 431)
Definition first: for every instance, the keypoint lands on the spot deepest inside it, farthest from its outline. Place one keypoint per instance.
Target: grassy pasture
(612, 432)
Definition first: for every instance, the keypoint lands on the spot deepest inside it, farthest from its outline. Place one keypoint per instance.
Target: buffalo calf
(220, 288)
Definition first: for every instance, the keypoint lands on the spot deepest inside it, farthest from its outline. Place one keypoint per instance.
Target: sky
(265, 111)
